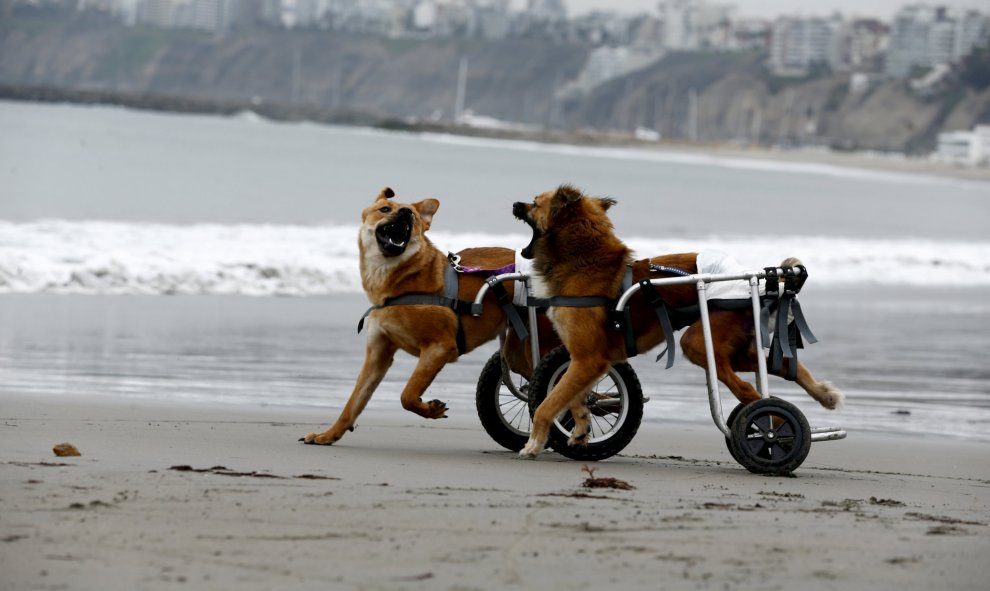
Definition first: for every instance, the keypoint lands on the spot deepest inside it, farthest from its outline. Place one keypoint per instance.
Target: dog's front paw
(531, 450)
(436, 409)
(319, 439)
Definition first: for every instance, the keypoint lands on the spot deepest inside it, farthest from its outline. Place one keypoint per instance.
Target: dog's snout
(518, 209)
(405, 211)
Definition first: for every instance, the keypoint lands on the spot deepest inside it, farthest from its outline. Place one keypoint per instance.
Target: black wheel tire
(611, 430)
(729, 421)
(764, 449)
(504, 416)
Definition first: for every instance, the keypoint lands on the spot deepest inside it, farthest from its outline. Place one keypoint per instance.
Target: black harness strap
(771, 298)
(505, 301)
(663, 311)
(801, 323)
(568, 301)
(787, 337)
(447, 300)
(780, 346)
(660, 307)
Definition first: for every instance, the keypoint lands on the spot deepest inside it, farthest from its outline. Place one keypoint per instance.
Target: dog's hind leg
(824, 392)
(727, 339)
(582, 422)
(378, 358)
(431, 361)
(568, 393)
(738, 353)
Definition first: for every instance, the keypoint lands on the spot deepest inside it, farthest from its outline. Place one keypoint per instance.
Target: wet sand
(404, 503)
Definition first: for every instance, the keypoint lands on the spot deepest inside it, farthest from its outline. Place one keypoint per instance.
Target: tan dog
(398, 259)
(575, 253)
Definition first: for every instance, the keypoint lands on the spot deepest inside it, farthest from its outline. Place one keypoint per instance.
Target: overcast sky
(770, 8)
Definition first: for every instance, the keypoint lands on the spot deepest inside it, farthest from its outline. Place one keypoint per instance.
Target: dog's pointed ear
(387, 193)
(426, 209)
(606, 202)
(564, 196)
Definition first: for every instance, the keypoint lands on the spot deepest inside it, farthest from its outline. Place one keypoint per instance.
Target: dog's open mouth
(519, 210)
(393, 238)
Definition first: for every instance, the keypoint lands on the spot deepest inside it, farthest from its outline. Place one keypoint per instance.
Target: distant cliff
(381, 77)
(704, 97)
(737, 100)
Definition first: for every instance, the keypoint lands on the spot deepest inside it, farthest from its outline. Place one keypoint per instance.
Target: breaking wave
(90, 257)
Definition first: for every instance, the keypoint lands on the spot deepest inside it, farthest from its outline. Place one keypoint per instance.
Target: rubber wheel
(771, 436)
(504, 416)
(616, 405)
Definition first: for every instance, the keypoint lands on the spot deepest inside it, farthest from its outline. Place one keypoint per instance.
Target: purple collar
(506, 269)
(455, 262)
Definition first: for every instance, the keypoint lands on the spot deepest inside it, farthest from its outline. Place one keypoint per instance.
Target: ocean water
(143, 255)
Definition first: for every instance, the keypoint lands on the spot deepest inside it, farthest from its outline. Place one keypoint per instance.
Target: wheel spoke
(610, 388)
(778, 451)
(507, 408)
(785, 430)
(515, 420)
(597, 421)
(754, 446)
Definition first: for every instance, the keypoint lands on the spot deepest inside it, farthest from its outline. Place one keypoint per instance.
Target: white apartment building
(696, 24)
(546, 10)
(302, 13)
(798, 44)
(206, 15)
(923, 36)
(965, 147)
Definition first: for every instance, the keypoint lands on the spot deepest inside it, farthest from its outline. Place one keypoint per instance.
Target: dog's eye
(385, 209)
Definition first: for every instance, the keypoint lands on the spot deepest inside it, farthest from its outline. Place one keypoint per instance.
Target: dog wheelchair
(769, 436)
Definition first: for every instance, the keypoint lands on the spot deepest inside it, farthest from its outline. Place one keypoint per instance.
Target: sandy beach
(133, 242)
(403, 503)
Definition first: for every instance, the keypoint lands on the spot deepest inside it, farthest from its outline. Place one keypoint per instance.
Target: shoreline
(385, 406)
(304, 352)
(405, 503)
(284, 113)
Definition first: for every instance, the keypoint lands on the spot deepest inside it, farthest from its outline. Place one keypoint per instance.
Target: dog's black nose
(405, 211)
(518, 209)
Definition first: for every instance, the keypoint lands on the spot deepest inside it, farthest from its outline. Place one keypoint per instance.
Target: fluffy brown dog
(398, 259)
(575, 253)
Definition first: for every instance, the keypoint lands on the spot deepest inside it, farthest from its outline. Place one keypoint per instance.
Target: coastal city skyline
(619, 71)
(773, 8)
(765, 9)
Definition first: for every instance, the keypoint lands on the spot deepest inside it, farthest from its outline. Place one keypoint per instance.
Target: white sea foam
(94, 257)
